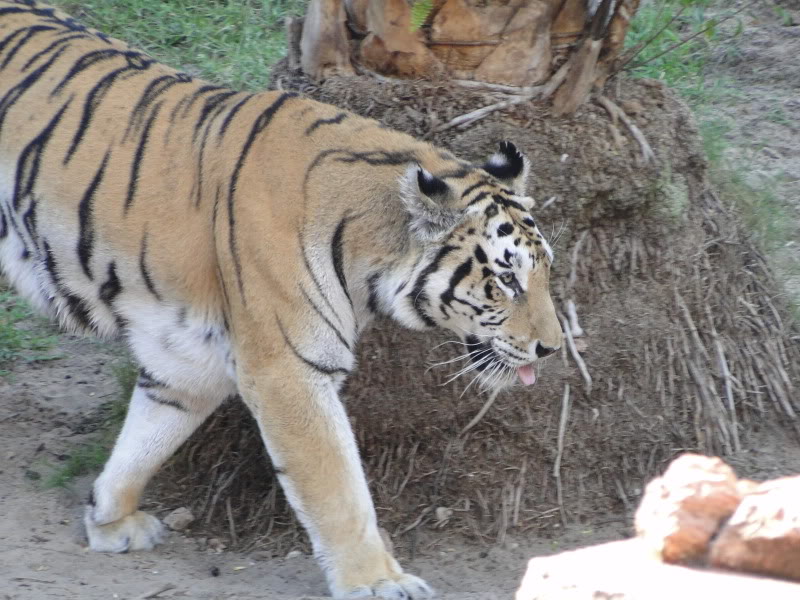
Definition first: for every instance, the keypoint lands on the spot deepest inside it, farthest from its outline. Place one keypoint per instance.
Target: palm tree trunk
(572, 45)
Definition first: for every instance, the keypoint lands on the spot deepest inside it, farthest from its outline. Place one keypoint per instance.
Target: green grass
(662, 25)
(686, 68)
(231, 42)
(23, 336)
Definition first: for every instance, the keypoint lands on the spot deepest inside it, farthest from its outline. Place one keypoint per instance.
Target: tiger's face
(488, 281)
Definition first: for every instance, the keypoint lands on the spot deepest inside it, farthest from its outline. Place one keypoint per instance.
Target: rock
(216, 544)
(763, 535)
(623, 570)
(294, 554)
(179, 519)
(682, 510)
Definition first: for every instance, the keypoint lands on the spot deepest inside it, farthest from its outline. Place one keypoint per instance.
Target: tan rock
(179, 519)
(763, 535)
(682, 510)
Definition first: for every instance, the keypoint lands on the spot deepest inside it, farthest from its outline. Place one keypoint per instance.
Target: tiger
(239, 243)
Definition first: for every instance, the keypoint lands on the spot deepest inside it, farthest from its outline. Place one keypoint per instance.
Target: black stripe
(111, 287)
(14, 94)
(95, 97)
(3, 223)
(31, 157)
(259, 125)
(32, 31)
(147, 380)
(188, 101)
(137, 159)
(86, 61)
(478, 198)
(472, 188)
(53, 46)
(153, 90)
(76, 307)
(481, 255)
(211, 106)
(337, 255)
(508, 203)
(315, 280)
(332, 121)
(324, 318)
(418, 295)
(372, 287)
(151, 395)
(85, 220)
(29, 221)
(148, 281)
(10, 38)
(462, 271)
(324, 369)
(229, 117)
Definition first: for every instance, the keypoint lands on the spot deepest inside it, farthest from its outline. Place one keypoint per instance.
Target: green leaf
(420, 11)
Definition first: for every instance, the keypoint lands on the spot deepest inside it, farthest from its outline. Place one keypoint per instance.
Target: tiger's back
(119, 179)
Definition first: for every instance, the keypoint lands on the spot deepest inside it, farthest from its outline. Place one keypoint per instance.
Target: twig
(549, 201)
(480, 113)
(512, 90)
(573, 268)
(617, 113)
(165, 587)
(462, 43)
(562, 429)
(484, 409)
(576, 355)
(416, 522)
(572, 314)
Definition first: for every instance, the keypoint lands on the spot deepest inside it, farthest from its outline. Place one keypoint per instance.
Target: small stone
(260, 555)
(294, 554)
(443, 515)
(216, 544)
(763, 535)
(179, 519)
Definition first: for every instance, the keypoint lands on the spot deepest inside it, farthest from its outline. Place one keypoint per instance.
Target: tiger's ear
(430, 202)
(510, 166)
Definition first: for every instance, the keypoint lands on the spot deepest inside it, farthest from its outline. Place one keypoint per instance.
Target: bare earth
(44, 408)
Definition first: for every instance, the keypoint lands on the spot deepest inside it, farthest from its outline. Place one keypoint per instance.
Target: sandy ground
(44, 408)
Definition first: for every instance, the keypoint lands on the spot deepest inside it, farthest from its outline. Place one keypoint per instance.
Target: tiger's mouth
(495, 364)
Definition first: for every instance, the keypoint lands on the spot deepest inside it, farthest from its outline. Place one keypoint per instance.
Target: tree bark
(518, 43)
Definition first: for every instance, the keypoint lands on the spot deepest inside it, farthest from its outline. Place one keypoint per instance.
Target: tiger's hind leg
(159, 420)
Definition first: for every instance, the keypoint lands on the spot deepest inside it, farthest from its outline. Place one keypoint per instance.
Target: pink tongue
(527, 375)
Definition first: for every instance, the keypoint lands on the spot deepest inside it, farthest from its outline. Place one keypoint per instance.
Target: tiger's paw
(401, 587)
(137, 531)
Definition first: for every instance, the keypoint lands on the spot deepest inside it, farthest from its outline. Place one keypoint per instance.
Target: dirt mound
(685, 342)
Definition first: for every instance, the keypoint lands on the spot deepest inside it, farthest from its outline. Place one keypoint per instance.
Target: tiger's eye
(508, 278)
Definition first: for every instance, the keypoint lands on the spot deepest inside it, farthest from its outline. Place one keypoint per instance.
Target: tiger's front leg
(313, 449)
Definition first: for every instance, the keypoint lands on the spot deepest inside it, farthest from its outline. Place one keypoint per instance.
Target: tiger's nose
(542, 351)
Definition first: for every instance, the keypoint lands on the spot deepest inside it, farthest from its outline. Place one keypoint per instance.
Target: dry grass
(686, 346)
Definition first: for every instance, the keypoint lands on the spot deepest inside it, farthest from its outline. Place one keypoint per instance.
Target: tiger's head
(487, 267)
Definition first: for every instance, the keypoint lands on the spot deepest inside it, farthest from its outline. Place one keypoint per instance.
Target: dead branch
(484, 409)
(572, 314)
(617, 113)
(562, 429)
(576, 355)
